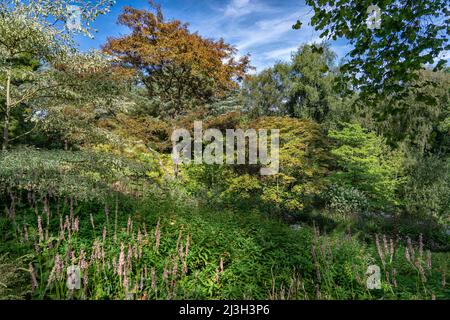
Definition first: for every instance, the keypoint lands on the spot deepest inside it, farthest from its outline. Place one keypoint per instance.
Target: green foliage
(345, 202)
(427, 191)
(301, 88)
(304, 161)
(176, 250)
(366, 163)
(411, 34)
(42, 70)
(62, 173)
(13, 279)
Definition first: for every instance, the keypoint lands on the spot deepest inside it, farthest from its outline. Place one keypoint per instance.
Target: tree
(90, 90)
(426, 192)
(264, 94)
(301, 88)
(416, 123)
(180, 70)
(412, 33)
(311, 78)
(304, 163)
(366, 163)
(35, 31)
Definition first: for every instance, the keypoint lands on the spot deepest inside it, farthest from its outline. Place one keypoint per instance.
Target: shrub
(304, 160)
(427, 191)
(368, 164)
(345, 201)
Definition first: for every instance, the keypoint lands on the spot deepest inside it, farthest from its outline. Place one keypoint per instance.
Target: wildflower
(114, 266)
(140, 252)
(158, 235)
(26, 232)
(185, 267)
(411, 249)
(95, 249)
(187, 246)
(145, 231)
(82, 263)
(153, 279)
(71, 206)
(126, 283)
(318, 293)
(386, 246)
(429, 265)
(216, 276)
(75, 225)
(139, 236)
(104, 234)
(41, 232)
(407, 255)
(165, 273)
(392, 252)
(85, 279)
(129, 225)
(379, 249)
(175, 267)
(322, 250)
(180, 251)
(120, 268)
(50, 244)
(57, 271)
(129, 256)
(34, 283)
(136, 286)
(394, 279)
(421, 271)
(69, 232)
(313, 251)
(107, 213)
(46, 210)
(141, 284)
(92, 221)
(420, 246)
(36, 248)
(103, 254)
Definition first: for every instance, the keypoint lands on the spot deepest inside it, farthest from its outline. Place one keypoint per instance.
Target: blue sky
(262, 28)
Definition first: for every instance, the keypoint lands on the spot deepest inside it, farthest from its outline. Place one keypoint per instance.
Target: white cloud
(280, 54)
(268, 37)
(239, 8)
(444, 55)
(266, 31)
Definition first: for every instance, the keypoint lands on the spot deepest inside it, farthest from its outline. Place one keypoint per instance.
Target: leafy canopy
(180, 69)
(412, 33)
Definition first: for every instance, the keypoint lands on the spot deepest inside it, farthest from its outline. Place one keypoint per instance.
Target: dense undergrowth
(167, 248)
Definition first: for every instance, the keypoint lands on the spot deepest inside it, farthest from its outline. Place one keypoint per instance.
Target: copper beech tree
(179, 69)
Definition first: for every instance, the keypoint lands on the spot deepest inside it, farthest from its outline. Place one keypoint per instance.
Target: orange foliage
(179, 67)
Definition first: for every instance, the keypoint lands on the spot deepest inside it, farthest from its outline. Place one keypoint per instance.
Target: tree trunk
(7, 112)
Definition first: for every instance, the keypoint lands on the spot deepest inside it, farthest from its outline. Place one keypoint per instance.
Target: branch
(23, 134)
(159, 161)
